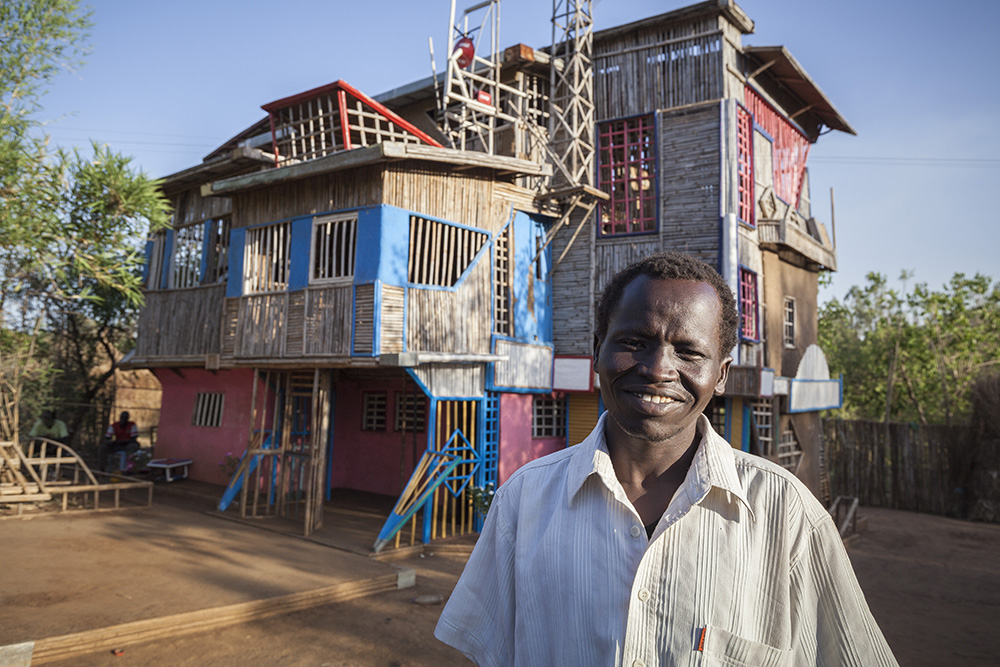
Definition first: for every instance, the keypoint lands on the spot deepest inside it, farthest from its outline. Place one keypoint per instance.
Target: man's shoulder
(765, 479)
(544, 467)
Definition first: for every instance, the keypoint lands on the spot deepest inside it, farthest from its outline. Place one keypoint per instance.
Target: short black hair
(672, 265)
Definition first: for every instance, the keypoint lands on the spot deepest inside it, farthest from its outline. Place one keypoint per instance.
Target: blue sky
(915, 190)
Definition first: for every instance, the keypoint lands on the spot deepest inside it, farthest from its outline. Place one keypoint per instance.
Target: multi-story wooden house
(395, 294)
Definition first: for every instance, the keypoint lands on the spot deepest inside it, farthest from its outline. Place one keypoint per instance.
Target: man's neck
(651, 472)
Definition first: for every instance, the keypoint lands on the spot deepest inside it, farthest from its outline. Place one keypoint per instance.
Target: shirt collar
(714, 464)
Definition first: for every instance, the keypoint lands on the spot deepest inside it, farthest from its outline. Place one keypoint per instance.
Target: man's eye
(629, 342)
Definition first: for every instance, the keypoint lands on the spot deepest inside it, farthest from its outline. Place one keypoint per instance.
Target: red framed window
(748, 304)
(791, 146)
(744, 162)
(627, 172)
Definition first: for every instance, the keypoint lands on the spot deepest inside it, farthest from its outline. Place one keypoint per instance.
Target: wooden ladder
(14, 486)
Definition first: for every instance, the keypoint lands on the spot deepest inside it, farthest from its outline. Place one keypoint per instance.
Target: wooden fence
(899, 466)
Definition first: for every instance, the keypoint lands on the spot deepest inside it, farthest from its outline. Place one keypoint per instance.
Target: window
(410, 412)
(208, 409)
(748, 304)
(716, 413)
(440, 253)
(791, 147)
(266, 264)
(218, 250)
(185, 270)
(788, 328)
(744, 162)
(548, 417)
(502, 321)
(763, 419)
(333, 244)
(374, 411)
(627, 172)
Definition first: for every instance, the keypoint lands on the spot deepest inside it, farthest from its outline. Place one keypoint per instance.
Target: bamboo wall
(328, 321)
(329, 192)
(364, 319)
(392, 319)
(453, 380)
(452, 321)
(659, 67)
(527, 366)
(190, 207)
(465, 197)
(181, 323)
(261, 325)
(899, 466)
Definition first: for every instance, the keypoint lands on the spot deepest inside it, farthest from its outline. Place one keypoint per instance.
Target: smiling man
(654, 542)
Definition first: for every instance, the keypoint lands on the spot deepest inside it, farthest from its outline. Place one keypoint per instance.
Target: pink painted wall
(370, 460)
(517, 447)
(205, 445)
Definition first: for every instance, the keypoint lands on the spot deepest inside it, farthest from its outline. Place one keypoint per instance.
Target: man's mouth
(652, 398)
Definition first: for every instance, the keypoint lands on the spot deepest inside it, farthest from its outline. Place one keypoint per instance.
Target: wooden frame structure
(36, 475)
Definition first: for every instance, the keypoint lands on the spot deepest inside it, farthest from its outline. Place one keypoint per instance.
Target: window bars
(503, 322)
(788, 327)
(333, 248)
(208, 409)
(410, 412)
(375, 408)
(440, 253)
(267, 259)
(627, 172)
(744, 166)
(548, 417)
(748, 304)
(185, 269)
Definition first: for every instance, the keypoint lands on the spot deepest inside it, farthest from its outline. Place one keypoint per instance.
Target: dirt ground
(933, 585)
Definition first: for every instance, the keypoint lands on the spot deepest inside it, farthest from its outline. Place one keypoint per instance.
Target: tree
(915, 355)
(71, 226)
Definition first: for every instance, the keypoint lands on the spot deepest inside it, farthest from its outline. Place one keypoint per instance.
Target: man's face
(659, 362)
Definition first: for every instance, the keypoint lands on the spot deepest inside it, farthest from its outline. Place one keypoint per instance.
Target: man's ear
(720, 386)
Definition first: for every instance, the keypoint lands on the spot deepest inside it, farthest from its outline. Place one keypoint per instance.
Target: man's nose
(661, 363)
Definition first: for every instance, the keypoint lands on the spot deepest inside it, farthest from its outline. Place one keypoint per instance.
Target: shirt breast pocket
(724, 649)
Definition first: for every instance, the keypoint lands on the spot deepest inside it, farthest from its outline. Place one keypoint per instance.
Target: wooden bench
(172, 468)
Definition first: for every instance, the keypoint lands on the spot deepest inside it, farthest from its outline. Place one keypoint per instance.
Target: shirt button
(636, 531)
(638, 663)
(643, 594)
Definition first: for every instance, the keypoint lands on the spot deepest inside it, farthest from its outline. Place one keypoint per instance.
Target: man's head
(665, 329)
(124, 418)
(49, 417)
(670, 265)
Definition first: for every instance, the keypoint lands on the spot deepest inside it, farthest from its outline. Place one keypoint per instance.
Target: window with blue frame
(440, 252)
(334, 243)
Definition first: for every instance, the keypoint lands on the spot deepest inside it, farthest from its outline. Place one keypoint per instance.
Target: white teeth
(655, 399)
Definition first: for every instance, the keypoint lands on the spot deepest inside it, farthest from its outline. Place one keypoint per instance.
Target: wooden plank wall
(328, 321)
(613, 255)
(232, 310)
(573, 290)
(329, 192)
(392, 319)
(452, 321)
(659, 67)
(443, 192)
(691, 181)
(295, 326)
(364, 319)
(181, 322)
(453, 380)
(190, 207)
(527, 366)
(260, 326)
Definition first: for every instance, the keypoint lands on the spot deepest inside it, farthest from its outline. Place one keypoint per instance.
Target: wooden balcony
(181, 324)
(792, 232)
(750, 381)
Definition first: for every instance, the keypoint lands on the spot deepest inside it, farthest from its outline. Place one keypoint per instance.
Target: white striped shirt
(745, 567)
